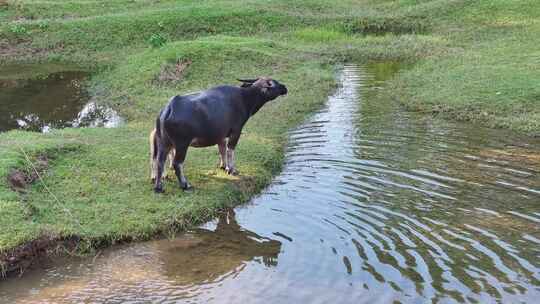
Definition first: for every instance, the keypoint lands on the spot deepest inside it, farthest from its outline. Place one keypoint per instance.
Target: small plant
(157, 40)
(18, 29)
(43, 25)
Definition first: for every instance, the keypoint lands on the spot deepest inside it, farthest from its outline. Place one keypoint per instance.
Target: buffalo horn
(247, 80)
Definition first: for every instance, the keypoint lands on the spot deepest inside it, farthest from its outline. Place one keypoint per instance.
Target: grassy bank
(93, 183)
(491, 77)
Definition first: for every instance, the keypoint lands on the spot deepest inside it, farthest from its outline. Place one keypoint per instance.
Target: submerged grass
(475, 61)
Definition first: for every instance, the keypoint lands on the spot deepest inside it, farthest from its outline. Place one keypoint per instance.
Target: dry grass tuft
(173, 73)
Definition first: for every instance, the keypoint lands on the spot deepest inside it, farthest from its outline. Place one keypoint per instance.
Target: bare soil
(19, 180)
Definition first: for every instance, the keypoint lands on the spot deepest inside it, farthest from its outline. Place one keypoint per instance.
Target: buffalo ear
(250, 81)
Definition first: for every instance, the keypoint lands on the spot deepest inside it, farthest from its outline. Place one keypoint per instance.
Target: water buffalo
(212, 117)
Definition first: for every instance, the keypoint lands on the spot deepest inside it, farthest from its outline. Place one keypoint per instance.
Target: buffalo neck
(254, 99)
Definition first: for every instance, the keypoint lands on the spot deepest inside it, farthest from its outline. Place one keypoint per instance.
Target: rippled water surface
(374, 205)
(44, 97)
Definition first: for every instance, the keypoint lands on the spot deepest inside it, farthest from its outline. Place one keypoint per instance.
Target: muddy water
(44, 97)
(374, 205)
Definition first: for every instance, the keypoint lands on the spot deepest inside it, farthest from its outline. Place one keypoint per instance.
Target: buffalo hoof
(186, 186)
(159, 190)
(232, 171)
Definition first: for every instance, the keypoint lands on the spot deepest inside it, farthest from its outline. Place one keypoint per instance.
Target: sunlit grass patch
(320, 35)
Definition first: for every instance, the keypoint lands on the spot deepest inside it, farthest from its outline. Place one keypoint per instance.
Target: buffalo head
(268, 86)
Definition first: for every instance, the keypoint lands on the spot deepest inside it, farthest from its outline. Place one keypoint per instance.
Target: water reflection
(206, 255)
(56, 100)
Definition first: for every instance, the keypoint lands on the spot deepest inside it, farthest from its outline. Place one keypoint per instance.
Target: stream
(374, 205)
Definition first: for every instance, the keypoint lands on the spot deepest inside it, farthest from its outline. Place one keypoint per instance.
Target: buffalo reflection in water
(205, 255)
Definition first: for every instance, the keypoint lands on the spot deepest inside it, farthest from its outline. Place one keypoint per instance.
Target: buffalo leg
(178, 165)
(231, 144)
(162, 152)
(170, 158)
(222, 147)
(153, 156)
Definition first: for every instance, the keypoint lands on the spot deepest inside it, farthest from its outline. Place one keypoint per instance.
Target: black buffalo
(212, 117)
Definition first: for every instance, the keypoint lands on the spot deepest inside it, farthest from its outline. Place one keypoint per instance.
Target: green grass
(491, 77)
(475, 60)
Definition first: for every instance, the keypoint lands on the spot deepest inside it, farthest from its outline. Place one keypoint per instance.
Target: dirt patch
(6, 49)
(22, 50)
(9, 83)
(246, 184)
(172, 73)
(19, 180)
(16, 261)
(381, 26)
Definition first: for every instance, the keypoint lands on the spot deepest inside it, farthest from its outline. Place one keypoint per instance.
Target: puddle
(45, 97)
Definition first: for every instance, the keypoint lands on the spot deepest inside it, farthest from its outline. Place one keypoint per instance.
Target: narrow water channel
(375, 205)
